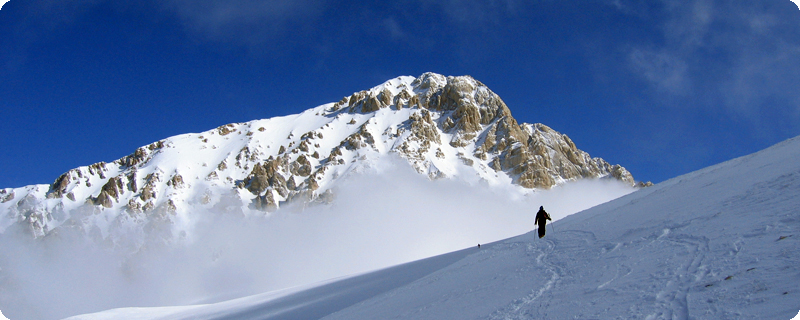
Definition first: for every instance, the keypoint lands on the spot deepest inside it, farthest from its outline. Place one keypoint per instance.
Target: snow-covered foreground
(401, 218)
(719, 243)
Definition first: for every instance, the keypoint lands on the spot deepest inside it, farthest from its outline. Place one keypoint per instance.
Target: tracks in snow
(522, 308)
(576, 264)
(683, 274)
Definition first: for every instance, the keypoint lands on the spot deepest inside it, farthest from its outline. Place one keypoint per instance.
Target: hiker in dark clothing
(541, 220)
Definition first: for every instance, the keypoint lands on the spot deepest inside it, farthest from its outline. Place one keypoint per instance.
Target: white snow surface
(718, 243)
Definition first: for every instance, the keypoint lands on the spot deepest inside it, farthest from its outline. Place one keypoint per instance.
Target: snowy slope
(718, 243)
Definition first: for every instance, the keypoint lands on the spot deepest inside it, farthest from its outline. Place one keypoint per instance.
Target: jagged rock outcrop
(6, 195)
(440, 125)
(109, 193)
(59, 187)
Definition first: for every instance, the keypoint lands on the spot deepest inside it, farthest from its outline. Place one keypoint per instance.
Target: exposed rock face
(440, 125)
(265, 176)
(6, 195)
(109, 193)
(301, 166)
(226, 129)
(176, 181)
(59, 187)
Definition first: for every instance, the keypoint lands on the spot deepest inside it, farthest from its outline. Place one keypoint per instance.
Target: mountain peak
(442, 126)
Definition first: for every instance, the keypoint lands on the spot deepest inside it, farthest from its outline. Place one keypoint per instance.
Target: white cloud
(476, 13)
(797, 2)
(377, 220)
(252, 21)
(666, 70)
(733, 59)
(394, 28)
(3, 2)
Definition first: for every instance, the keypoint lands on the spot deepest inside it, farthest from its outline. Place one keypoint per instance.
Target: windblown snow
(718, 243)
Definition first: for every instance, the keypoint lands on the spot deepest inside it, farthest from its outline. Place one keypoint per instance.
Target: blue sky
(661, 87)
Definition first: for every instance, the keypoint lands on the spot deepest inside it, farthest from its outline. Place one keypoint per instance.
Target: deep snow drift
(718, 243)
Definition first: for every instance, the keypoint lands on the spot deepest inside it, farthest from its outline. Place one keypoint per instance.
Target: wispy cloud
(741, 58)
(474, 13)
(39, 19)
(251, 21)
(666, 70)
(393, 27)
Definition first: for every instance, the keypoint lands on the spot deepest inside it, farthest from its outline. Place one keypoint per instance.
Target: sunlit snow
(716, 243)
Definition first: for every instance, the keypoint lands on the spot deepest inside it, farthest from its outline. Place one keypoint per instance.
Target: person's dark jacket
(541, 220)
(541, 217)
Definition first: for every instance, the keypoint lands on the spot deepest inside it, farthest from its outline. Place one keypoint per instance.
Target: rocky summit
(442, 126)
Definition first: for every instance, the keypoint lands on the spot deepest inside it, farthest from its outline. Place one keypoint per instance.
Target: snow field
(386, 216)
(719, 243)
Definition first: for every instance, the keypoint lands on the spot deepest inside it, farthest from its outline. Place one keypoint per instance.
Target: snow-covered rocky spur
(412, 168)
(442, 126)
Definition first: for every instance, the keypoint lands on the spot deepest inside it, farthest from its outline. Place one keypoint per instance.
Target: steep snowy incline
(718, 243)
(714, 244)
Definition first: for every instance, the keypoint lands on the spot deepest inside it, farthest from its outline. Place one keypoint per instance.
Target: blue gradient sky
(661, 87)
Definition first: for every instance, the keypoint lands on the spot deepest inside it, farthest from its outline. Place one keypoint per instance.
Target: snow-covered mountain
(442, 126)
(718, 243)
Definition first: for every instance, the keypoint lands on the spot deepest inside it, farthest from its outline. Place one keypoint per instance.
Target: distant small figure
(541, 219)
(479, 246)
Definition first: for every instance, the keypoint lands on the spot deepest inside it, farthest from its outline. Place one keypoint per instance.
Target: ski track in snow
(680, 272)
(521, 308)
(671, 301)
